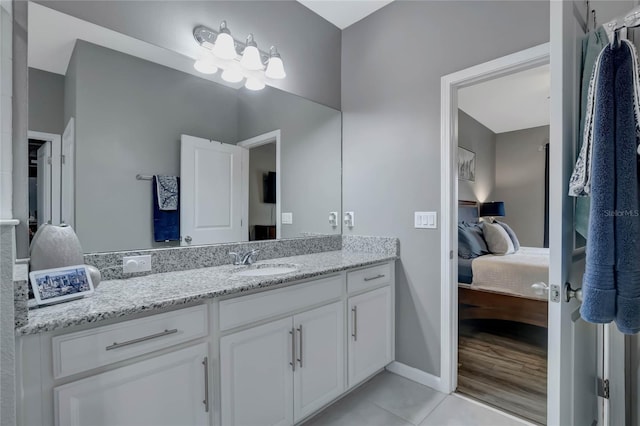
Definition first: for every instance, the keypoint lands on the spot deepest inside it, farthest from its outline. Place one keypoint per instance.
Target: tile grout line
(434, 409)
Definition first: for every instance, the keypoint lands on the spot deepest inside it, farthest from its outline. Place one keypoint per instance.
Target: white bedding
(513, 273)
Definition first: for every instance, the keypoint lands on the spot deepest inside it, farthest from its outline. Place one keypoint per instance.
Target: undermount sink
(265, 270)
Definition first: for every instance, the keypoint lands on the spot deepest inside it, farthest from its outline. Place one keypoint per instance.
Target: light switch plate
(287, 218)
(426, 220)
(131, 264)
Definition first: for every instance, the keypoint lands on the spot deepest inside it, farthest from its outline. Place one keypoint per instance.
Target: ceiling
(343, 13)
(513, 102)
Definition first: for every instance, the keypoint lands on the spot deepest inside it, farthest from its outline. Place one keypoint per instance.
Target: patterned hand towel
(167, 192)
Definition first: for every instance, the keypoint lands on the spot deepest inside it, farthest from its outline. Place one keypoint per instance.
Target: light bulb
(224, 47)
(232, 76)
(251, 56)
(275, 67)
(254, 84)
(205, 65)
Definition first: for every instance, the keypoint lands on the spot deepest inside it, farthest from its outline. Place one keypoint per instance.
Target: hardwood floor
(504, 364)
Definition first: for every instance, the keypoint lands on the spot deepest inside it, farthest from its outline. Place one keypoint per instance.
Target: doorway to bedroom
(501, 216)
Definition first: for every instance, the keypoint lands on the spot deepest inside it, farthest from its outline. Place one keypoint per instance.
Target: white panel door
(574, 350)
(256, 375)
(167, 390)
(68, 174)
(319, 375)
(43, 207)
(370, 342)
(213, 186)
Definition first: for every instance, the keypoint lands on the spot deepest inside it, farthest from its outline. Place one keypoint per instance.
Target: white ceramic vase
(55, 247)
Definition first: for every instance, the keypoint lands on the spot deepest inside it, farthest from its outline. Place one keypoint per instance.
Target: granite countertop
(124, 297)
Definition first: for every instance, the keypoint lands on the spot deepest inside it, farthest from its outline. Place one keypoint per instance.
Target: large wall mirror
(108, 112)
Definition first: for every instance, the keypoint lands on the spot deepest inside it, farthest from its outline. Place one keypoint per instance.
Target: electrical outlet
(132, 264)
(349, 219)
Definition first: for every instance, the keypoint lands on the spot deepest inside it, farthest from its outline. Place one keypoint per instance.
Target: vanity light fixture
(237, 60)
(251, 56)
(224, 46)
(275, 67)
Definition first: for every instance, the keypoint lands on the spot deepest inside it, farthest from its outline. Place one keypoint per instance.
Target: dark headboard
(468, 211)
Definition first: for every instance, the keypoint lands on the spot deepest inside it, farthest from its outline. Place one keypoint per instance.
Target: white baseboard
(416, 375)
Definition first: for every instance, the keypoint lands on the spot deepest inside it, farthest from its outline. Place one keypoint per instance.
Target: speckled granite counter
(124, 297)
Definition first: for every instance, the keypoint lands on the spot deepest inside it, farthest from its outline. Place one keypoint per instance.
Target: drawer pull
(205, 363)
(293, 349)
(300, 345)
(354, 333)
(374, 278)
(141, 339)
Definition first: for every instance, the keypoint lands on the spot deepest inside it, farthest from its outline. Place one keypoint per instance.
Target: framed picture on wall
(466, 164)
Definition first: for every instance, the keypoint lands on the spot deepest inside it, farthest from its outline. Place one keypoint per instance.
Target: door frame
(263, 139)
(56, 171)
(450, 84)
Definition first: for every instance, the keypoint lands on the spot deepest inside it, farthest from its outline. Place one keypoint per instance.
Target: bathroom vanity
(211, 346)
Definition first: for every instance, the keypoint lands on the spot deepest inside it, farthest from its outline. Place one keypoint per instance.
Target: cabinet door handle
(141, 339)
(354, 334)
(374, 278)
(293, 349)
(300, 345)
(205, 363)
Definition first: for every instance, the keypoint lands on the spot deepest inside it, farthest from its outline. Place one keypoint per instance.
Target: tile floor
(391, 400)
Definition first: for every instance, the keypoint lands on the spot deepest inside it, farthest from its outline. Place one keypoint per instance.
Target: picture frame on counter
(60, 284)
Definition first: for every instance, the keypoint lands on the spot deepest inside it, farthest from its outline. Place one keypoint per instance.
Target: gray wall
(262, 159)
(310, 46)
(520, 182)
(475, 137)
(391, 136)
(46, 102)
(126, 126)
(310, 160)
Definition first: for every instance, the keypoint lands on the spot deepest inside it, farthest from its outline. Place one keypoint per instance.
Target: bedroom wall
(475, 137)
(519, 182)
(391, 134)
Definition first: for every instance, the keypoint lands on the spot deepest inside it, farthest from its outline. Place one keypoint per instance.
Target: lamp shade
(492, 208)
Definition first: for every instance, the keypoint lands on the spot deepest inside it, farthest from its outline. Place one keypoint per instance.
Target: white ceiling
(513, 102)
(52, 37)
(343, 13)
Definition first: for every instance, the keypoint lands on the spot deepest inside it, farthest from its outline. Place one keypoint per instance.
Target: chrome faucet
(246, 258)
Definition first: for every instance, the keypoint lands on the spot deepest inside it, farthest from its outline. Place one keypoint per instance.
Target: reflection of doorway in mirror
(263, 198)
(44, 179)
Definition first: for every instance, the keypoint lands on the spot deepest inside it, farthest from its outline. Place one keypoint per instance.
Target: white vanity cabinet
(371, 320)
(281, 372)
(167, 390)
(272, 357)
(370, 333)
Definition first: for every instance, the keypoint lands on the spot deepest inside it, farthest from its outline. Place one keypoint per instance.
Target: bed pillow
(471, 242)
(497, 239)
(512, 235)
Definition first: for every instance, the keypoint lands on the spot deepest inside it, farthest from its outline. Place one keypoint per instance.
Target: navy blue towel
(611, 283)
(166, 223)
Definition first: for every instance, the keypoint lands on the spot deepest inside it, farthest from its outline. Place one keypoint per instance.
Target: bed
(499, 287)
